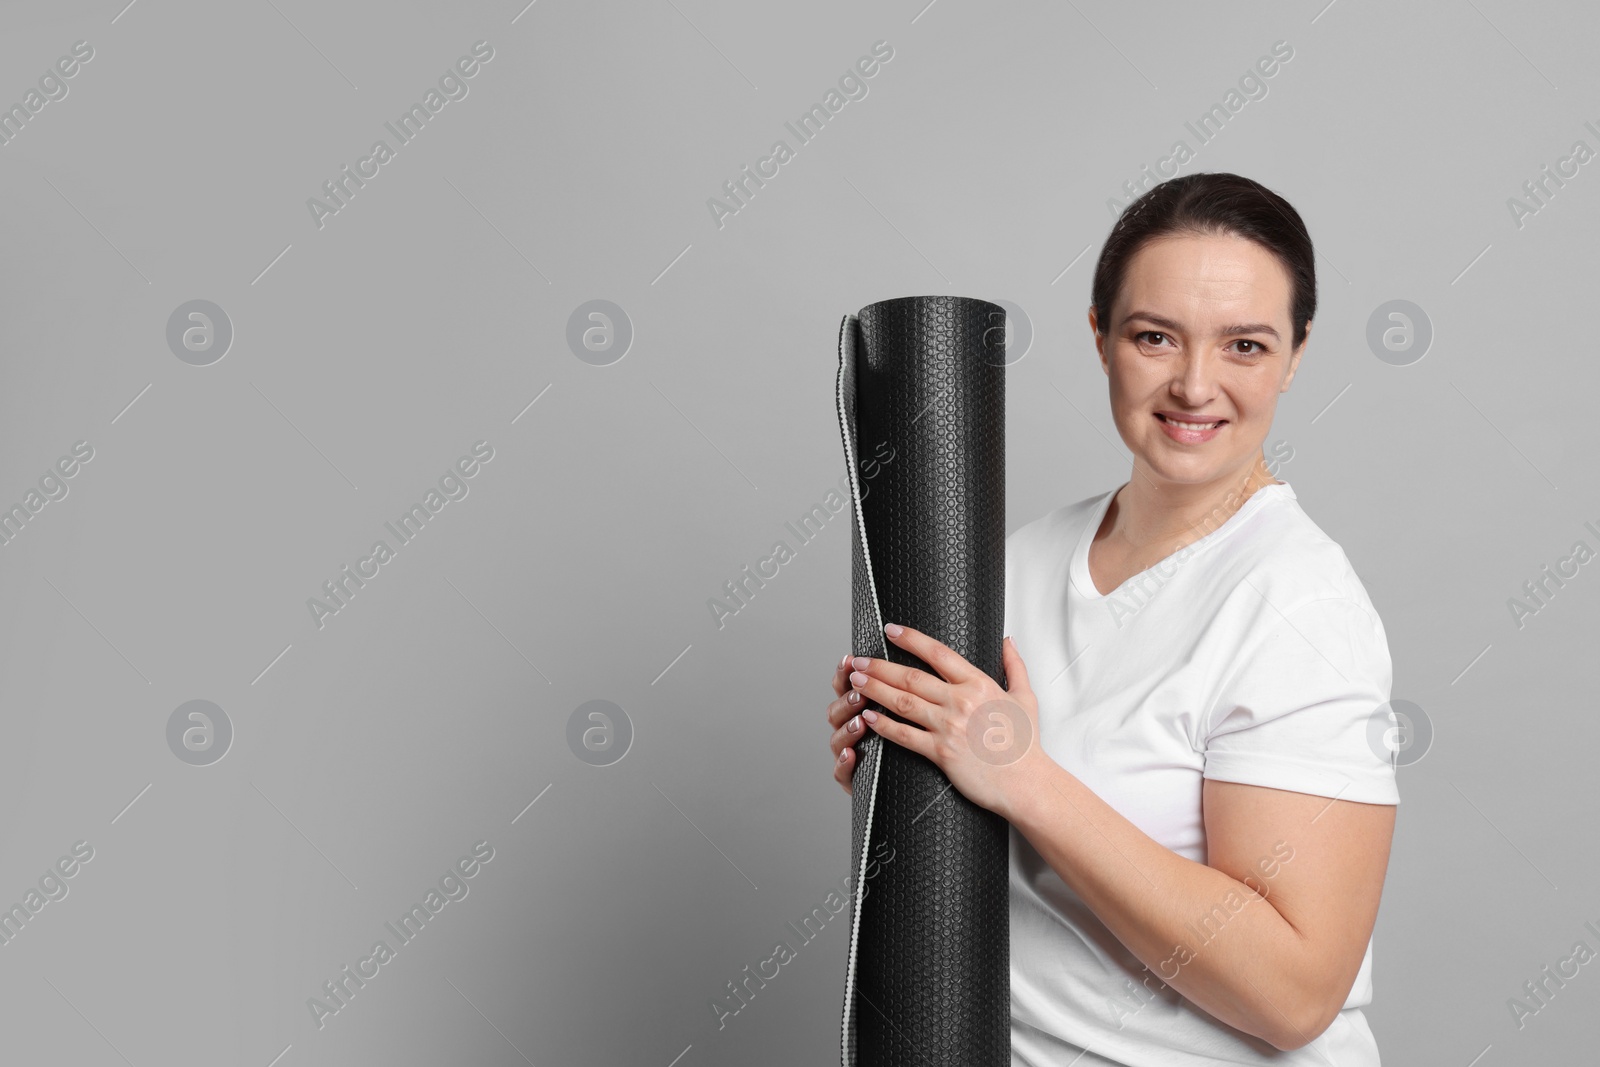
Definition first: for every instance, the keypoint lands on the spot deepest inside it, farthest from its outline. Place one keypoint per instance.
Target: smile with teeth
(1187, 425)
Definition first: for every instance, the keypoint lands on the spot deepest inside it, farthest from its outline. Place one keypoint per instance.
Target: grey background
(369, 354)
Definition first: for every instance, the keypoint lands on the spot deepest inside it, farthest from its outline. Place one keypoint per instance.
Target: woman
(1201, 829)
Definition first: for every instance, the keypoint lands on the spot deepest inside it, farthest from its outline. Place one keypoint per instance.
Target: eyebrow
(1168, 324)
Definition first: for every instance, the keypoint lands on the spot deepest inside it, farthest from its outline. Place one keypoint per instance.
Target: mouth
(1189, 424)
(1189, 431)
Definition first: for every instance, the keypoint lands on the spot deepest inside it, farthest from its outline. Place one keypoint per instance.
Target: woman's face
(1200, 331)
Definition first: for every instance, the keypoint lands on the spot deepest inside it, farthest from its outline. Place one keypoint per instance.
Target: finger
(951, 665)
(844, 770)
(930, 688)
(906, 705)
(840, 710)
(918, 741)
(841, 674)
(846, 736)
(1016, 670)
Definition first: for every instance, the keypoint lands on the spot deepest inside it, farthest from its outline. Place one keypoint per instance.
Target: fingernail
(857, 678)
(870, 715)
(845, 662)
(894, 629)
(852, 697)
(860, 663)
(854, 725)
(844, 754)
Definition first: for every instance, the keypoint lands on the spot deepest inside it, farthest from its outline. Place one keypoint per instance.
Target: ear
(1099, 341)
(1294, 359)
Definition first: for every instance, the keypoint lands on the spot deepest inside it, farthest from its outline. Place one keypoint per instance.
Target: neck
(1160, 518)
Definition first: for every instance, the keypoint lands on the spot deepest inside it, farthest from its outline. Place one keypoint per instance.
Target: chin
(1189, 470)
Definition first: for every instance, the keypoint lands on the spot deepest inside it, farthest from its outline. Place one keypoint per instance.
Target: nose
(1195, 378)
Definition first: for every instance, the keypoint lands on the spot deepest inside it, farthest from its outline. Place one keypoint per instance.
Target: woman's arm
(1277, 963)
(1278, 966)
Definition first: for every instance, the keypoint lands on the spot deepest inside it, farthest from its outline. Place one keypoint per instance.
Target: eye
(1256, 351)
(1148, 333)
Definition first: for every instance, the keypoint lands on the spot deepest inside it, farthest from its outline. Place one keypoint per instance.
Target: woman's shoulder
(1290, 561)
(1056, 529)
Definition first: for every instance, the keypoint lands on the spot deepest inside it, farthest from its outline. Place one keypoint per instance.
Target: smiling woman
(1176, 748)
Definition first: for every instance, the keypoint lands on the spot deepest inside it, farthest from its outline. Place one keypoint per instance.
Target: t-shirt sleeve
(1306, 708)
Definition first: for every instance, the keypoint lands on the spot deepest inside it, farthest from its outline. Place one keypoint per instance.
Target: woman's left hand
(984, 738)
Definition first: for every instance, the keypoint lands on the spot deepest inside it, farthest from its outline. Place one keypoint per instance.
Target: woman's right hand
(844, 715)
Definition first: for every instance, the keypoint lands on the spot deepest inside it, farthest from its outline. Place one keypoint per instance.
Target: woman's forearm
(1252, 972)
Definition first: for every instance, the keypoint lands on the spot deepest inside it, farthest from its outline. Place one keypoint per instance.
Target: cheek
(1258, 399)
(1135, 383)
(1122, 395)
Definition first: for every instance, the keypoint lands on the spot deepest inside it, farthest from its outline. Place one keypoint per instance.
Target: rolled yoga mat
(921, 400)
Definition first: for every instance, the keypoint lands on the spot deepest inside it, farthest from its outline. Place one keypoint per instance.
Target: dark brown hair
(1211, 203)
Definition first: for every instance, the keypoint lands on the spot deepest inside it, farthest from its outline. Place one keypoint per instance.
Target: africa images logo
(453, 485)
(452, 85)
(344, 985)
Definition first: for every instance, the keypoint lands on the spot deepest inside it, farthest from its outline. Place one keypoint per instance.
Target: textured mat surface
(922, 382)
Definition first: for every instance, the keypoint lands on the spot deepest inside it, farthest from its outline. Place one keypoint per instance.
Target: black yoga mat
(921, 400)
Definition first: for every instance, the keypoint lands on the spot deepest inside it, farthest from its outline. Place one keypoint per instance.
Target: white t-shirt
(1252, 655)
